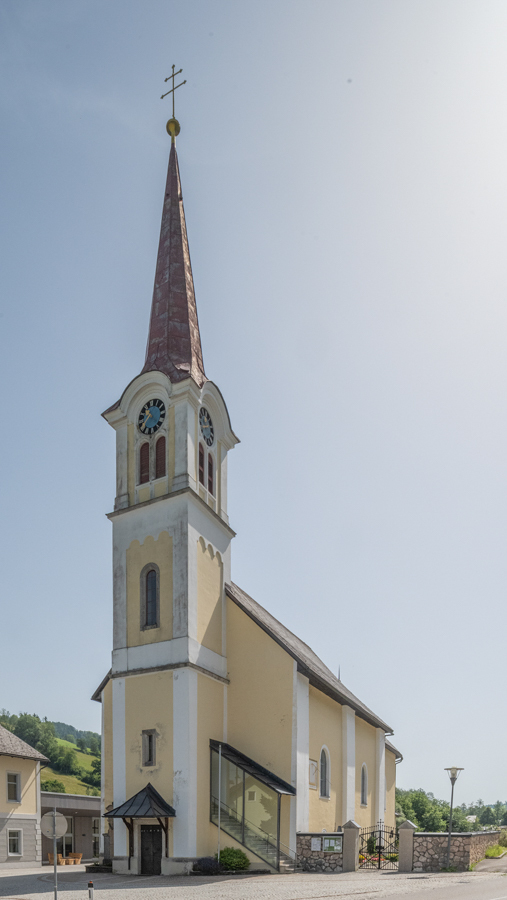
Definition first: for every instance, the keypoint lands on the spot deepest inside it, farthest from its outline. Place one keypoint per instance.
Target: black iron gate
(378, 847)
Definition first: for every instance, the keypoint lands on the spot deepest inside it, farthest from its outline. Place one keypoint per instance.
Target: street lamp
(453, 775)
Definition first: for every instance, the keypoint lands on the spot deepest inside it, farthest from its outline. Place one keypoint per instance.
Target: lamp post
(453, 775)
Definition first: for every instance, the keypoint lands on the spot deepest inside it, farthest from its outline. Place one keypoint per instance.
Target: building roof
(393, 749)
(308, 662)
(146, 804)
(249, 765)
(10, 745)
(174, 342)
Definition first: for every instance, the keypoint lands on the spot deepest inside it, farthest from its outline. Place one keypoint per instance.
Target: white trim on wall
(185, 762)
(303, 752)
(119, 763)
(348, 764)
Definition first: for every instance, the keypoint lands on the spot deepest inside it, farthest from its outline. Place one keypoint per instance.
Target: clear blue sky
(344, 177)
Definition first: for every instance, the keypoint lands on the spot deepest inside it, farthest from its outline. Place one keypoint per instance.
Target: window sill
(364, 806)
(321, 797)
(17, 802)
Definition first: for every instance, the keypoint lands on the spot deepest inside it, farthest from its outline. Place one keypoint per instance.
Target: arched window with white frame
(364, 785)
(324, 772)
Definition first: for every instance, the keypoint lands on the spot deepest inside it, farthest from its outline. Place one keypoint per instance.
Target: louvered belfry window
(151, 598)
(144, 463)
(160, 458)
(210, 473)
(201, 463)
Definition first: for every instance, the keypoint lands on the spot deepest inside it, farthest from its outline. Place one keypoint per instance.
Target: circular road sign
(52, 822)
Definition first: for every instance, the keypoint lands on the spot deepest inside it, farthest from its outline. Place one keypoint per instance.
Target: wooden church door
(151, 849)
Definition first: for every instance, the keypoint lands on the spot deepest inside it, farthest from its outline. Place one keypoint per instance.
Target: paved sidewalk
(37, 884)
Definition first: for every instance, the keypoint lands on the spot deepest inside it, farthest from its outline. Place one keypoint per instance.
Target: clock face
(151, 416)
(206, 424)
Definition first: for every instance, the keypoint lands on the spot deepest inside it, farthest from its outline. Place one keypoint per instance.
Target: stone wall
(318, 860)
(430, 849)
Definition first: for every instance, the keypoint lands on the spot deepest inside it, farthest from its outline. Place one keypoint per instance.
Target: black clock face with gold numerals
(207, 430)
(151, 416)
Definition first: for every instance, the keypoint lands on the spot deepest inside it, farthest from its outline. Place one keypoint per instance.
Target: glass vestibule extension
(249, 809)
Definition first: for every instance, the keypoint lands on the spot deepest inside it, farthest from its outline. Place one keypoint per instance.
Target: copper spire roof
(174, 342)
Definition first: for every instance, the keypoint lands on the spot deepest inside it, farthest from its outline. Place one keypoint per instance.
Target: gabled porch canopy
(146, 804)
(252, 768)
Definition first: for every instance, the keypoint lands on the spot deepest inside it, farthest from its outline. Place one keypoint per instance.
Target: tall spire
(174, 342)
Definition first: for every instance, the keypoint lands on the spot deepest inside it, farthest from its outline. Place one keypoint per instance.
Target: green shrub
(53, 785)
(494, 851)
(233, 858)
(502, 840)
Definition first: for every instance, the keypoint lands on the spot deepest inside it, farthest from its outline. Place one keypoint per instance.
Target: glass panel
(261, 806)
(12, 787)
(254, 826)
(151, 597)
(14, 842)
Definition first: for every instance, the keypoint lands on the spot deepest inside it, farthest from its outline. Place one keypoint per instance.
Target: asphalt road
(483, 884)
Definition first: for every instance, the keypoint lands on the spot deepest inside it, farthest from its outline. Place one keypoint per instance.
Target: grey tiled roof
(308, 662)
(10, 745)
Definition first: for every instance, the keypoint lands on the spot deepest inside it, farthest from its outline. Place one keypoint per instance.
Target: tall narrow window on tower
(160, 458)
(201, 464)
(210, 474)
(144, 463)
(151, 598)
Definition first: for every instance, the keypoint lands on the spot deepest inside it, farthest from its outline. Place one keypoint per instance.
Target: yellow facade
(139, 555)
(209, 597)
(260, 694)
(365, 754)
(325, 731)
(27, 770)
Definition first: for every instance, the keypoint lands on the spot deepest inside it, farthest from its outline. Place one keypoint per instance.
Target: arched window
(364, 785)
(160, 458)
(151, 598)
(210, 474)
(201, 464)
(144, 463)
(324, 773)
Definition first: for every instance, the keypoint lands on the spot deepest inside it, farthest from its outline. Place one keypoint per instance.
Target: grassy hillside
(72, 784)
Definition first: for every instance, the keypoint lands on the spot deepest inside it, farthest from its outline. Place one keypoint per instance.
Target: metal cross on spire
(173, 89)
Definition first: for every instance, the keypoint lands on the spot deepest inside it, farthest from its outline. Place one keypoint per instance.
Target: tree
(81, 744)
(52, 784)
(67, 762)
(487, 816)
(28, 728)
(95, 746)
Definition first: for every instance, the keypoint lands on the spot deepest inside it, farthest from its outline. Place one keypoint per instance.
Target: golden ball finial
(173, 128)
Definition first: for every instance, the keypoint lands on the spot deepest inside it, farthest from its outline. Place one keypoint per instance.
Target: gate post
(351, 846)
(406, 846)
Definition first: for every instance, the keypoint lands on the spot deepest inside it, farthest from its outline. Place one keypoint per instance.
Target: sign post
(54, 825)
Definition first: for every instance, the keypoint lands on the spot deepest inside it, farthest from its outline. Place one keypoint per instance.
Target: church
(219, 726)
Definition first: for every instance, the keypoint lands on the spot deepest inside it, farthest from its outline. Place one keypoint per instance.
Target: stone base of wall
(317, 860)
(430, 850)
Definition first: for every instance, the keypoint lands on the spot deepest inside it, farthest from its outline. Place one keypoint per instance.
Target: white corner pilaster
(380, 774)
(122, 491)
(119, 763)
(348, 764)
(185, 762)
(303, 751)
(103, 822)
(184, 444)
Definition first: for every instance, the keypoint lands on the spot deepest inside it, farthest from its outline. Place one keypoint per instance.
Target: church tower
(220, 727)
(171, 557)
